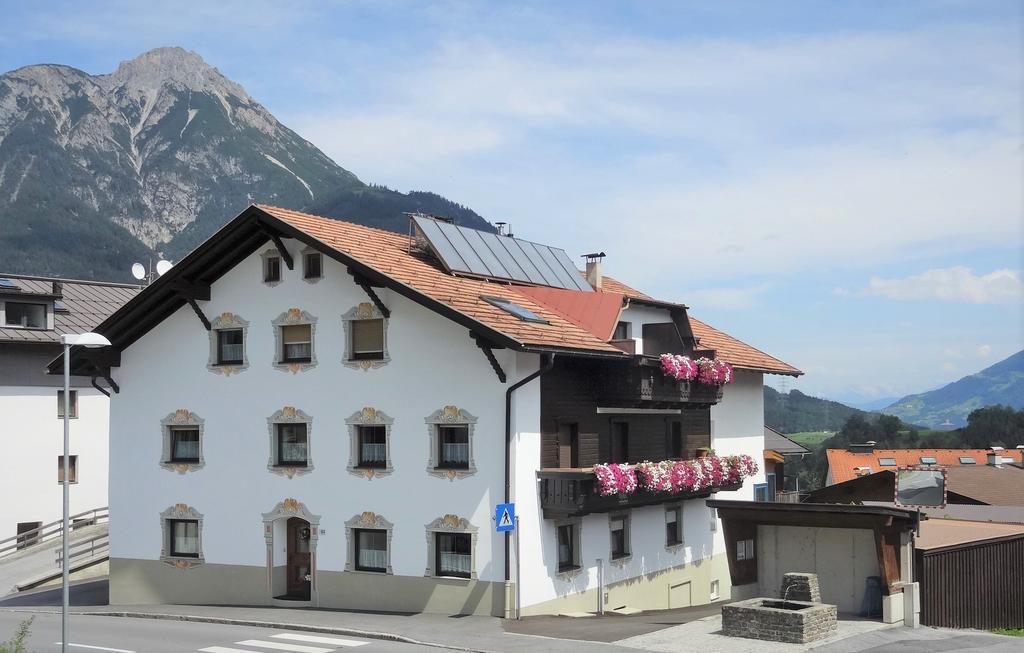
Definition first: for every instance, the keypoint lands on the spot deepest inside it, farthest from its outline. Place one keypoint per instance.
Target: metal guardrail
(46, 532)
(98, 544)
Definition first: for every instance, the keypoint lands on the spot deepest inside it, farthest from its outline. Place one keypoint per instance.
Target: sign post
(505, 520)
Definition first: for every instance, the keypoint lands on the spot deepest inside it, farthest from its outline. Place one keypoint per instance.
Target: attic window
(927, 460)
(524, 314)
(967, 460)
(887, 462)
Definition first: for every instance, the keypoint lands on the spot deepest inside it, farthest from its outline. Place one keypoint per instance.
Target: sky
(836, 183)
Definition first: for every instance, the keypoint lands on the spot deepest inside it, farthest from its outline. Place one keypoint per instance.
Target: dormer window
(621, 331)
(24, 315)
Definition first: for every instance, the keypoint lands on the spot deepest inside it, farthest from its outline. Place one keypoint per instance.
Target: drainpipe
(547, 362)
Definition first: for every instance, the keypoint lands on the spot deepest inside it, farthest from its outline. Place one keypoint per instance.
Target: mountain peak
(172, 66)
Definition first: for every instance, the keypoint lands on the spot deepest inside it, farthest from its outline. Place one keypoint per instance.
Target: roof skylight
(967, 460)
(927, 460)
(887, 462)
(523, 313)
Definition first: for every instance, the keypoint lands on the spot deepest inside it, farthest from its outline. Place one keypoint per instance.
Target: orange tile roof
(597, 312)
(575, 323)
(388, 253)
(842, 463)
(737, 353)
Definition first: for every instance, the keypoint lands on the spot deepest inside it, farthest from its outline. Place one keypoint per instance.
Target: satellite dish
(162, 267)
(138, 271)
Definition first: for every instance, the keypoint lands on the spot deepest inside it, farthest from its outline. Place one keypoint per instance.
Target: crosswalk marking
(223, 649)
(281, 646)
(319, 639)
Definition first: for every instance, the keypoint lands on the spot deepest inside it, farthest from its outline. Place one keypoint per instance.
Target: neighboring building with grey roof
(34, 313)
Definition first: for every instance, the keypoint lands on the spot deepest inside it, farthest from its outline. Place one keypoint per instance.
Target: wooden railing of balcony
(573, 493)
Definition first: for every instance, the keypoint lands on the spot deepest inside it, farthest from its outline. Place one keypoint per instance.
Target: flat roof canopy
(819, 515)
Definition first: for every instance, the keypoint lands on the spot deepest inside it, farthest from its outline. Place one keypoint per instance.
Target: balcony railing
(573, 493)
(644, 385)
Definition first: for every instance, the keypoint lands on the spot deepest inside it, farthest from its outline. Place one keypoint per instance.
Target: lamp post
(90, 341)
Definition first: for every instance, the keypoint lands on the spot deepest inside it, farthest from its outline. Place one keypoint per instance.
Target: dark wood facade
(973, 585)
(571, 394)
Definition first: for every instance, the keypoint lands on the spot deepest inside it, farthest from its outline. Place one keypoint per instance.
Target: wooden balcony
(642, 384)
(572, 493)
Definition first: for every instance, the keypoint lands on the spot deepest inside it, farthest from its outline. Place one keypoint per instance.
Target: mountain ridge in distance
(98, 171)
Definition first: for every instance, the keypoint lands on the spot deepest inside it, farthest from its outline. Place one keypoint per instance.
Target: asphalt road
(90, 634)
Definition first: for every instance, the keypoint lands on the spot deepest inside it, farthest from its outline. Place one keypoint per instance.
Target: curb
(326, 630)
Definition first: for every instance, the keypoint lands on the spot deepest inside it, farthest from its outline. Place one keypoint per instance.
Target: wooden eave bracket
(488, 350)
(276, 238)
(190, 291)
(367, 287)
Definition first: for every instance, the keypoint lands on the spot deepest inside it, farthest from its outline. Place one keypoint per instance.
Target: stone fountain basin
(778, 620)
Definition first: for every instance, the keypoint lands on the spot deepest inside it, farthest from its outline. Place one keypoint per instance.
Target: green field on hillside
(810, 439)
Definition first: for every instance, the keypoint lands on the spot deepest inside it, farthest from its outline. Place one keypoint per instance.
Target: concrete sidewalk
(465, 633)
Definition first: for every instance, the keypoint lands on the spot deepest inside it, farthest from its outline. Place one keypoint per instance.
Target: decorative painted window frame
(179, 511)
(272, 252)
(312, 250)
(364, 311)
(180, 417)
(577, 544)
(449, 415)
(226, 321)
(680, 525)
(294, 316)
(366, 520)
(368, 417)
(450, 524)
(628, 525)
(289, 415)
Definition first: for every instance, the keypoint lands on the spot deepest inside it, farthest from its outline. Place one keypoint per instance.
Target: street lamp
(90, 341)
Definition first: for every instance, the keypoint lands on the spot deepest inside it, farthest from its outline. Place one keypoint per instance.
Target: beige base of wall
(678, 587)
(150, 582)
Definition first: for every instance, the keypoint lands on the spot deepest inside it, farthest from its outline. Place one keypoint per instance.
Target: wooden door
(298, 559)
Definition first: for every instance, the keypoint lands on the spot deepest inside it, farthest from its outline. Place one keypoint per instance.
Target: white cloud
(725, 298)
(955, 284)
(984, 351)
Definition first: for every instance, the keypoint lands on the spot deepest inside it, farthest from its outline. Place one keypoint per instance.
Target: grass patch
(810, 439)
(1012, 632)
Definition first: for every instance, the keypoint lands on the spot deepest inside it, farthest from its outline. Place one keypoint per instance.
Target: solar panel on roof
(59, 306)
(481, 254)
(7, 283)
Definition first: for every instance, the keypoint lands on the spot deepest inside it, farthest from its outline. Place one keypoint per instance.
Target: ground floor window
(451, 547)
(184, 538)
(182, 528)
(371, 550)
(568, 541)
(454, 554)
(619, 526)
(673, 525)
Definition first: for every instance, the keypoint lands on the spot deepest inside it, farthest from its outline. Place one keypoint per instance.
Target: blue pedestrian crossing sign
(504, 517)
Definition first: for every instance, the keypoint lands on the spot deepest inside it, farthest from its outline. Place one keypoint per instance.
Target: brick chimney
(594, 275)
(58, 289)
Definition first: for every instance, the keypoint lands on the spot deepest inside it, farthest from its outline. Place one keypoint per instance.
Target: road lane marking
(320, 639)
(97, 648)
(281, 646)
(223, 649)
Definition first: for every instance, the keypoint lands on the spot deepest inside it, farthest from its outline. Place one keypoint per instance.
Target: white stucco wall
(33, 439)
(637, 316)
(434, 363)
(843, 558)
(738, 427)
